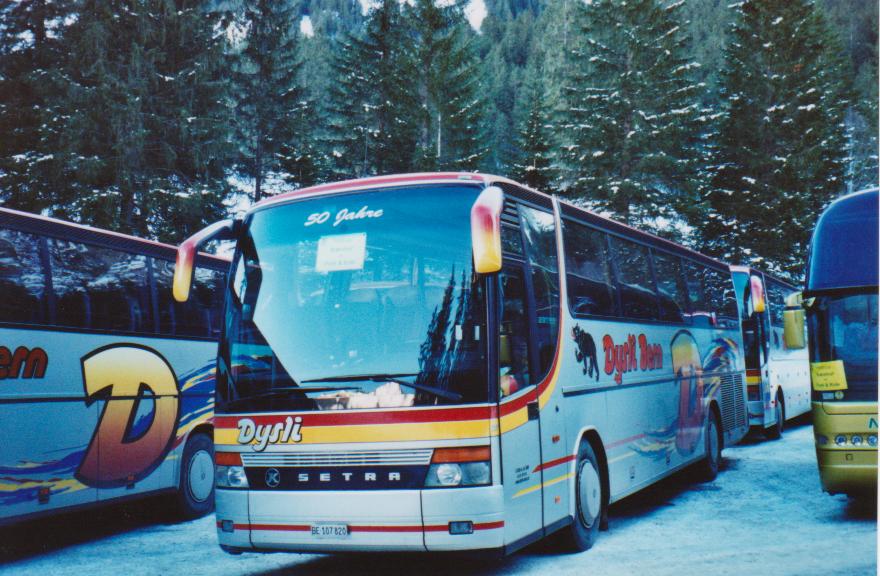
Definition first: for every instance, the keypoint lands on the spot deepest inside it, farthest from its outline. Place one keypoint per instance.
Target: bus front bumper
(394, 520)
(848, 471)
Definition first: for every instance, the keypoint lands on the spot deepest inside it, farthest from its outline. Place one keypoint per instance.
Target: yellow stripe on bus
(376, 433)
(538, 486)
(753, 379)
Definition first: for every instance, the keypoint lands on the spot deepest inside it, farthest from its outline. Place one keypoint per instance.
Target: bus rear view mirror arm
(186, 254)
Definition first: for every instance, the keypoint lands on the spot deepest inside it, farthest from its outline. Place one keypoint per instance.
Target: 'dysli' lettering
(265, 434)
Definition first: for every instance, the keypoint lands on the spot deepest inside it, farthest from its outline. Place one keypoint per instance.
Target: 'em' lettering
(23, 363)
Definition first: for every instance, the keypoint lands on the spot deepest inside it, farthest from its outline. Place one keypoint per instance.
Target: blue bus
(106, 383)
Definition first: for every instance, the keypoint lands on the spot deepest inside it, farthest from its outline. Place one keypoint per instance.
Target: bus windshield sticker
(341, 252)
(828, 376)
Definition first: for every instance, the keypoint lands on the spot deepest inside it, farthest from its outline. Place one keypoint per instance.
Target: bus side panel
(47, 425)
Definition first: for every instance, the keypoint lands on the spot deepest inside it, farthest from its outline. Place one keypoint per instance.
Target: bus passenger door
(518, 411)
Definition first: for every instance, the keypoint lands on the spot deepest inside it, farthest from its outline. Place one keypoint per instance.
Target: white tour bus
(455, 362)
(106, 383)
(777, 374)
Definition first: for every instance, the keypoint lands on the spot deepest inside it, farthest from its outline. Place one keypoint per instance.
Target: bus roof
(486, 180)
(47, 226)
(844, 249)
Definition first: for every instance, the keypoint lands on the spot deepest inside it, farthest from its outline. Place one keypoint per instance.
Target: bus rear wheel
(709, 466)
(775, 432)
(195, 493)
(590, 501)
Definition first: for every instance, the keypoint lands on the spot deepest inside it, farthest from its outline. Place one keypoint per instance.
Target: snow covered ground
(765, 514)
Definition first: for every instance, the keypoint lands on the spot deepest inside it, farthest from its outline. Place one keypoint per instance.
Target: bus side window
(588, 271)
(776, 294)
(720, 293)
(698, 302)
(163, 274)
(671, 287)
(70, 275)
(637, 296)
(513, 349)
(22, 285)
(208, 289)
(540, 235)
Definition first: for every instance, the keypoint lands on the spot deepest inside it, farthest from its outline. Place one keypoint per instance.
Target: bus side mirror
(486, 230)
(793, 322)
(186, 255)
(757, 288)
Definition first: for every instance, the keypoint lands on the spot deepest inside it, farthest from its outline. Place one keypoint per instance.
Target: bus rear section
(841, 309)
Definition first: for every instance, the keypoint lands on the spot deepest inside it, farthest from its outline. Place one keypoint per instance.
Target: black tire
(708, 467)
(775, 432)
(195, 492)
(590, 502)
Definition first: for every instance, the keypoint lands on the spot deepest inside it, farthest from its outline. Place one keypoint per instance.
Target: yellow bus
(841, 310)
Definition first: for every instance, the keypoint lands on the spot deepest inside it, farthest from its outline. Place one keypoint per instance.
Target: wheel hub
(201, 475)
(590, 493)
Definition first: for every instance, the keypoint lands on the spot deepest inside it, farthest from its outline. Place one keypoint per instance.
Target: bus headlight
(856, 440)
(468, 466)
(872, 441)
(230, 477)
(821, 439)
(840, 439)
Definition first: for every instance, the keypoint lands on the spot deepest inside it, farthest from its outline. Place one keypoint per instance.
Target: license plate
(329, 530)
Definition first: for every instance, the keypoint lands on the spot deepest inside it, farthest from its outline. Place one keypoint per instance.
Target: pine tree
(533, 158)
(271, 105)
(781, 147)
(31, 53)
(451, 121)
(630, 123)
(142, 144)
(372, 103)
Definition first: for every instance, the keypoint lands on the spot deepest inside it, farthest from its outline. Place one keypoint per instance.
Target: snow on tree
(781, 147)
(532, 164)
(630, 122)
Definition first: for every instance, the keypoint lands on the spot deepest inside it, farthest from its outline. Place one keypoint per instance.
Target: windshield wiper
(287, 390)
(452, 396)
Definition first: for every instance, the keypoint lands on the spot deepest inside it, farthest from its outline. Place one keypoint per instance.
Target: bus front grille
(419, 457)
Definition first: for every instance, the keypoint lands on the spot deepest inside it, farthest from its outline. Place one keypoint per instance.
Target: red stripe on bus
(626, 441)
(374, 529)
(341, 418)
(753, 373)
(553, 463)
(379, 181)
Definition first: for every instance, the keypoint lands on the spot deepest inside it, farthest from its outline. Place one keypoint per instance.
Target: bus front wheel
(774, 432)
(195, 494)
(590, 501)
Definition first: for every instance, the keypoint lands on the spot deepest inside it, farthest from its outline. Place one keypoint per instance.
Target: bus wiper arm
(452, 396)
(279, 392)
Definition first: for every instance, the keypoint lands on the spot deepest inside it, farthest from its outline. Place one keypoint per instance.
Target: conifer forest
(727, 125)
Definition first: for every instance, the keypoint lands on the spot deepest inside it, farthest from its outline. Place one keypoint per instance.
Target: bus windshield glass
(356, 301)
(845, 328)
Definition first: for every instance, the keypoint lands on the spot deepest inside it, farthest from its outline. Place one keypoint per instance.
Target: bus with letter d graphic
(106, 383)
(840, 299)
(452, 361)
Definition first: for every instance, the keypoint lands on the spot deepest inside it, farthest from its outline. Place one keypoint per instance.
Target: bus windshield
(356, 301)
(845, 328)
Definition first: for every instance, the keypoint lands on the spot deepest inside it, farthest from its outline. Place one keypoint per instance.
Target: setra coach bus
(777, 371)
(106, 383)
(840, 299)
(452, 361)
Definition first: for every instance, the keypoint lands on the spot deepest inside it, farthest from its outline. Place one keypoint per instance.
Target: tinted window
(776, 294)
(720, 292)
(22, 285)
(697, 298)
(637, 297)
(671, 289)
(588, 270)
(100, 288)
(540, 234)
(200, 314)
(511, 239)
(513, 349)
